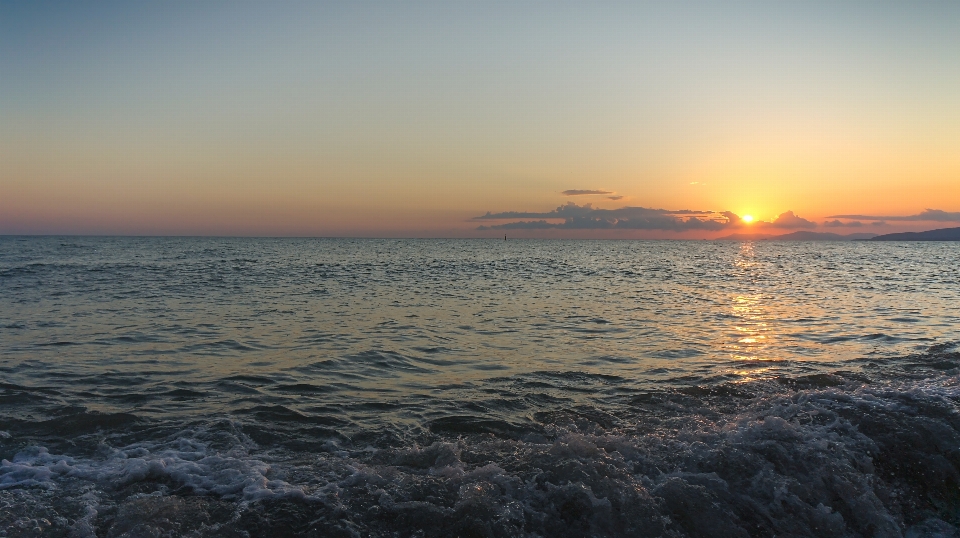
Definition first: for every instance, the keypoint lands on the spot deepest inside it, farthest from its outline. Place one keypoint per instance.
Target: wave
(838, 454)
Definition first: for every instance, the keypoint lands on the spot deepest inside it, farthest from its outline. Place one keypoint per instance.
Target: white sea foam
(193, 465)
(785, 461)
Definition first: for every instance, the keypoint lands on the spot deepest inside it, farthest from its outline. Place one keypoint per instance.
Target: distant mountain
(941, 234)
(802, 235)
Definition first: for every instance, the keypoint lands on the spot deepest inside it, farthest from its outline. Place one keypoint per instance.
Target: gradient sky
(412, 119)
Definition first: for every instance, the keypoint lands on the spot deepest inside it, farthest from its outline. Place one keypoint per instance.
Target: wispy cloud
(582, 192)
(617, 197)
(936, 215)
(585, 217)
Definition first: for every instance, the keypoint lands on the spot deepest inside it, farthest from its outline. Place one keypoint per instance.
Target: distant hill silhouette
(941, 234)
(802, 235)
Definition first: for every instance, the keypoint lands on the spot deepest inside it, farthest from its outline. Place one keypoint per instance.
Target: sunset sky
(414, 119)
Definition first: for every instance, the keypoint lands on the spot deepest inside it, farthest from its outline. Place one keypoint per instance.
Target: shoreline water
(872, 450)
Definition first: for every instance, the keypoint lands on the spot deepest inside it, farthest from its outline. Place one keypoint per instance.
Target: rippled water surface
(477, 388)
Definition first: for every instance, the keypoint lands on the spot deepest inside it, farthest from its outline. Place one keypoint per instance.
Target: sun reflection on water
(753, 335)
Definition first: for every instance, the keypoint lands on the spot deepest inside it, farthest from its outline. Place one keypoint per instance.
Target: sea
(250, 387)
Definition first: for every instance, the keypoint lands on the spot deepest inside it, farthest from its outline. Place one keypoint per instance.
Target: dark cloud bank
(586, 217)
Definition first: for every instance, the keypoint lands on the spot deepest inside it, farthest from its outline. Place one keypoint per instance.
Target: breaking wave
(848, 453)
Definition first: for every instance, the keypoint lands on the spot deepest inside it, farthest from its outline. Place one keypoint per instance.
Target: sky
(478, 119)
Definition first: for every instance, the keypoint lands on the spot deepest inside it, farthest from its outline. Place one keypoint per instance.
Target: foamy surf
(838, 456)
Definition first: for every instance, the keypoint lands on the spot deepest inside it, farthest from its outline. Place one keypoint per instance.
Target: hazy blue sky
(399, 118)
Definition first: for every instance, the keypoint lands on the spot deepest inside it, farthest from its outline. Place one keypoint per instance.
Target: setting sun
(747, 218)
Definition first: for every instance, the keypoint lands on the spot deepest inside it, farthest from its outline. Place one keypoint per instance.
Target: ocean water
(341, 387)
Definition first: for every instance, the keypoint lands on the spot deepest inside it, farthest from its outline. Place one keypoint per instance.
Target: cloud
(581, 192)
(571, 216)
(791, 221)
(936, 215)
(521, 225)
(839, 224)
(618, 197)
(572, 210)
(586, 217)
